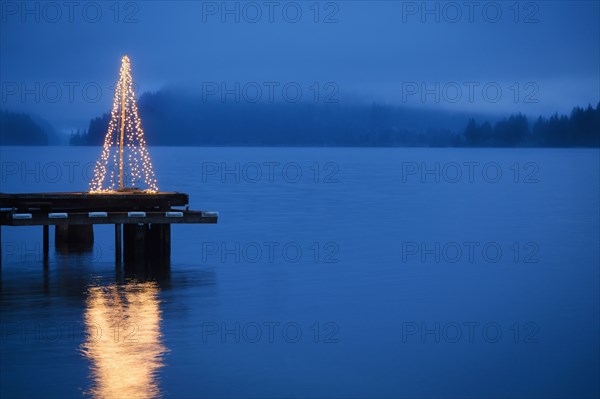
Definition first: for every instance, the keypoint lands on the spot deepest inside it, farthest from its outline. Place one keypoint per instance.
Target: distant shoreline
(169, 120)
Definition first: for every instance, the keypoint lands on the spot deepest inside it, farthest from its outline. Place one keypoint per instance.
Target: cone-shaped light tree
(125, 162)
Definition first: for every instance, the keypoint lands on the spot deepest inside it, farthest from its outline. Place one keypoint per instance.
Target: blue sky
(493, 57)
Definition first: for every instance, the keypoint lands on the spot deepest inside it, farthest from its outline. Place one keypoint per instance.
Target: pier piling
(118, 243)
(46, 241)
(74, 238)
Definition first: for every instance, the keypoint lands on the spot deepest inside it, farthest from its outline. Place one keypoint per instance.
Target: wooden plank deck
(90, 202)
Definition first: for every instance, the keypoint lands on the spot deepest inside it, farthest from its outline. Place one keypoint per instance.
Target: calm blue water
(332, 272)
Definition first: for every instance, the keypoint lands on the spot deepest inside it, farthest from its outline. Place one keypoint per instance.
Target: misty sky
(543, 56)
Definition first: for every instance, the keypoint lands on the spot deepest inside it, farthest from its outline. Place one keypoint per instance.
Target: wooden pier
(142, 220)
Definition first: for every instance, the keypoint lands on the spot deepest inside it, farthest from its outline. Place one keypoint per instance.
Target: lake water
(340, 272)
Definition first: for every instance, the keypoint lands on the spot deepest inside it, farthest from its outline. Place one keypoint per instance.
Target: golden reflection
(123, 340)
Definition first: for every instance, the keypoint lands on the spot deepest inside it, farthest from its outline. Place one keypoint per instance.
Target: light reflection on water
(124, 341)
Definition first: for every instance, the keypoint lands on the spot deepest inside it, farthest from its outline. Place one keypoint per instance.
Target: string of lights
(124, 144)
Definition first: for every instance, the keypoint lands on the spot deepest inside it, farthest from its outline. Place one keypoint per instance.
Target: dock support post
(46, 244)
(147, 243)
(118, 241)
(74, 238)
(159, 240)
(134, 242)
(167, 242)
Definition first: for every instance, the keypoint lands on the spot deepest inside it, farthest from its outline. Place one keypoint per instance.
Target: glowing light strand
(136, 164)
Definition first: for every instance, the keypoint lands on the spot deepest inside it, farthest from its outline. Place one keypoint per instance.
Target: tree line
(170, 119)
(580, 129)
(20, 129)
